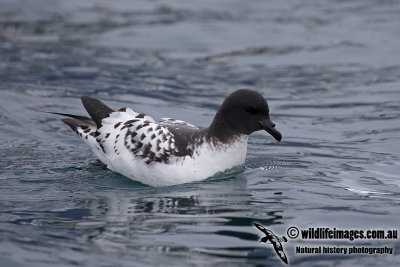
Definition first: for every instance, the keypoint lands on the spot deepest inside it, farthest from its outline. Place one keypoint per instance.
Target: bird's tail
(75, 121)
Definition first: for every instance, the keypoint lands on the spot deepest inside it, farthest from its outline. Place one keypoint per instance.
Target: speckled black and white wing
(136, 133)
(187, 136)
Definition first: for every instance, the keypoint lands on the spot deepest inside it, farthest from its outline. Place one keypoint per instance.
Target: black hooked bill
(269, 126)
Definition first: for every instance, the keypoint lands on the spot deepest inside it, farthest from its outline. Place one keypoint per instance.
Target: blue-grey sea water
(330, 71)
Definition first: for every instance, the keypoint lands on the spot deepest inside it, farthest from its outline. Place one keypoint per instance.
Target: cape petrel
(170, 151)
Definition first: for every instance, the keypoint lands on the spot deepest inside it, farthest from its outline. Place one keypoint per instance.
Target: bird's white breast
(207, 160)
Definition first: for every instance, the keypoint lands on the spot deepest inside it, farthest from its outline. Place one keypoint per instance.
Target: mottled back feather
(137, 133)
(187, 136)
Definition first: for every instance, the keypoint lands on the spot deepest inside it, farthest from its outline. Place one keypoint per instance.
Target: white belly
(205, 162)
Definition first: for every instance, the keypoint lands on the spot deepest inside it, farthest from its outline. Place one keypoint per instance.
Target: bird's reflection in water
(176, 205)
(205, 217)
(194, 198)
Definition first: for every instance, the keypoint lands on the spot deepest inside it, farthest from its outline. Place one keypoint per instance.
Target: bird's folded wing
(126, 131)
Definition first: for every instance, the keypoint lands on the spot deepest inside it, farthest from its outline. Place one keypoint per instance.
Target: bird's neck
(223, 132)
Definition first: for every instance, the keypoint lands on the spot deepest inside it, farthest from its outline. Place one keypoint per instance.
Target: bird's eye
(251, 110)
